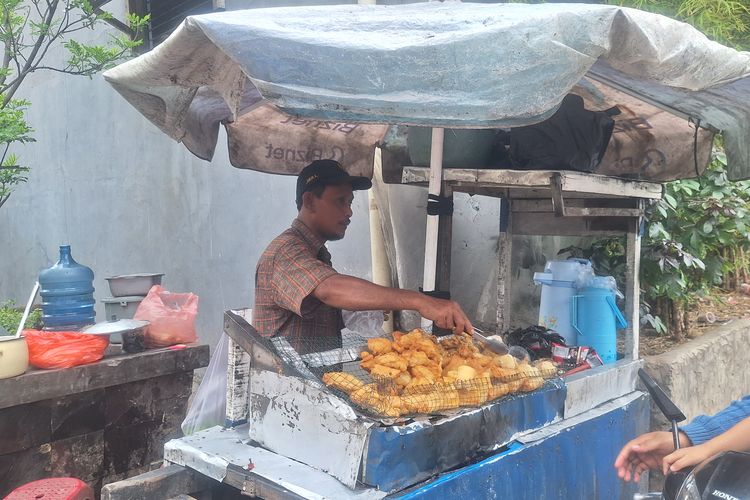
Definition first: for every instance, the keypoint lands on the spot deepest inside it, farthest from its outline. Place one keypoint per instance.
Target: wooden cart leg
(633, 286)
(238, 378)
(504, 267)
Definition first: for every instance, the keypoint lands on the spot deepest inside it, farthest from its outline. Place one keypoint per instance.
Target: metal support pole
(431, 233)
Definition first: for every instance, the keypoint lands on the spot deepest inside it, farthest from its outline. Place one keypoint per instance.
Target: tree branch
(52, 8)
(60, 70)
(7, 147)
(17, 46)
(6, 48)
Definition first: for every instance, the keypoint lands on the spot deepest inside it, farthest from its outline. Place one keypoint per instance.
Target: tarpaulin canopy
(434, 64)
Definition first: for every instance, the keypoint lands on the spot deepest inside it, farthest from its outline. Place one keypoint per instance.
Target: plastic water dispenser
(559, 281)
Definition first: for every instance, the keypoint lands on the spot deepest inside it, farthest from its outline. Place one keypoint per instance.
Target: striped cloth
(703, 428)
(292, 266)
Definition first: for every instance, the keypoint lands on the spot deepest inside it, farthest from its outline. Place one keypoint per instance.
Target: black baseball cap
(326, 173)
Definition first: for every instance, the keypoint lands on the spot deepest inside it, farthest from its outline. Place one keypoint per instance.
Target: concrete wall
(704, 375)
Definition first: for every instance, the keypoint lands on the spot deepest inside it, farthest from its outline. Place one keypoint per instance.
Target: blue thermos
(596, 318)
(67, 291)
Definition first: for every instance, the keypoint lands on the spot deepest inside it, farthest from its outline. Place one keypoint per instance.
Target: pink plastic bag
(172, 317)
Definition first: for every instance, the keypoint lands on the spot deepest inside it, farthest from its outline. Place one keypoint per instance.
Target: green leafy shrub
(697, 237)
(10, 317)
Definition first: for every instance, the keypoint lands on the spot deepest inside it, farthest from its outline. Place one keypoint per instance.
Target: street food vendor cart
(338, 81)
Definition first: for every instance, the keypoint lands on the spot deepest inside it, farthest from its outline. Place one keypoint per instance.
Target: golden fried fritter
(418, 384)
(465, 372)
(429, 347)
(381, 372)
(506, 361)
(504, 374)
(342, 381)
(424, 372)
(367, 362)
(547, 368)
(498, 390)
(403, 379)
(392, 360)
(453, 362)
(416, 358)
(474, 392)
(532, 378)
(410, 340)
(379, 346)
(479, 362)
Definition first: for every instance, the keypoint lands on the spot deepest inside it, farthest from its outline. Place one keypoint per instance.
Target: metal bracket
(558, 204)
(248, 488)
(253, 485)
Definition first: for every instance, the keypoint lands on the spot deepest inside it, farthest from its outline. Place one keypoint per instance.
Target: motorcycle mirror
(667, 407)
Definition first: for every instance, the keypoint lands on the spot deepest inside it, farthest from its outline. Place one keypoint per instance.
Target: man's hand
(445, 314)
(685, 457)
(647, 451)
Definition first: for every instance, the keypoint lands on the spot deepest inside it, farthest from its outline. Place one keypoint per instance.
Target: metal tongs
(493, 342)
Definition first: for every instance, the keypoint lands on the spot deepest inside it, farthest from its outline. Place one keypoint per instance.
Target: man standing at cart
(299, 295)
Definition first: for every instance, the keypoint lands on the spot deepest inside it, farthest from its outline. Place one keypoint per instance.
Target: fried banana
(370, 398)
(440, 398)
(342, 381)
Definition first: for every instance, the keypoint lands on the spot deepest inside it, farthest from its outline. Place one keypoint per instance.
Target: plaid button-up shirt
(289, 270)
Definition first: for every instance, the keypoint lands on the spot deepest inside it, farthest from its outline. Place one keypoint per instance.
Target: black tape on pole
(437, 294)
(439, 205)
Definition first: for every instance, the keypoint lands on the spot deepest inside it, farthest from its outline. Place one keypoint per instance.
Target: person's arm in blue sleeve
(648, 450)
(703, 428)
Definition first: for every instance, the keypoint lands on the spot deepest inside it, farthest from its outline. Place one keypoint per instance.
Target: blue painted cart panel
(398, 457)
(575, 463)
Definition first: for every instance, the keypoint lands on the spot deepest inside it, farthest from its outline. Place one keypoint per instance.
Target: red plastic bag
(171, 317)
(64, 349)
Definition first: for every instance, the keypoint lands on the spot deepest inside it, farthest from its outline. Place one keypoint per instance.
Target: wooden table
(99, 422)
(550, 203)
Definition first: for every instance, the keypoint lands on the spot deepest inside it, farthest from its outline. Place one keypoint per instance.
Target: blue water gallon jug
(67, 291)
(596, 318)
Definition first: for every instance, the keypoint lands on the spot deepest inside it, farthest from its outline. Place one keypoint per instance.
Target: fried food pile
(414, 373)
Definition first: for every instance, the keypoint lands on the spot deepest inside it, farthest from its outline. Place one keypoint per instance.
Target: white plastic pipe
(381, 269)
(26, 311)
(431, 234)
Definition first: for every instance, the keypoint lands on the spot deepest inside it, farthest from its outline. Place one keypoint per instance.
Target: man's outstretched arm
(347, 292)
